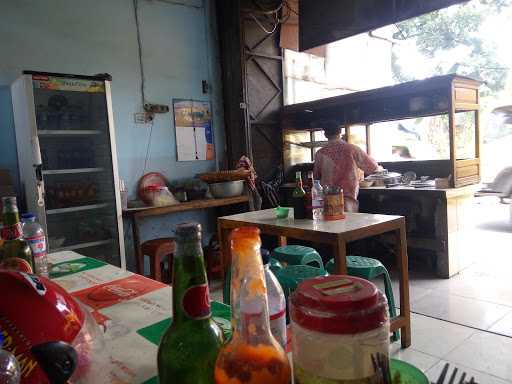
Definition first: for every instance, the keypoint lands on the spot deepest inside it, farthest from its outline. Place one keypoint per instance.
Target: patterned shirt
(338, 163)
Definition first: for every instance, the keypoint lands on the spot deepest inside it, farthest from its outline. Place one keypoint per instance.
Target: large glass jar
(338, 323)
(334, 207)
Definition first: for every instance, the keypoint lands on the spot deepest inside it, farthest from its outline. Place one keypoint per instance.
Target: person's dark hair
(331, 128)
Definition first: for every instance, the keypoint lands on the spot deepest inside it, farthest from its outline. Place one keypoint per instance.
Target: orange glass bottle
(252, 356)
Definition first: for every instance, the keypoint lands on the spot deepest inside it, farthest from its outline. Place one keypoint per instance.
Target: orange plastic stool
(158, 251)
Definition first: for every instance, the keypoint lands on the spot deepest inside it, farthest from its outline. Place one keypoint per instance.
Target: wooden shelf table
(136, 214)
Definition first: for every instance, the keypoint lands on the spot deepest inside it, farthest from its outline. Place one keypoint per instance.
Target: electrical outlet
(142, 117)
(156, 108)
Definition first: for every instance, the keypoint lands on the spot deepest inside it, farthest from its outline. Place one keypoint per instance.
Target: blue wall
(8, 157)
(179, 49)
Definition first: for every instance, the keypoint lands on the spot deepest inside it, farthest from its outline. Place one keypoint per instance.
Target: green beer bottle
(298, 198)
(15, 253)
(189, 347)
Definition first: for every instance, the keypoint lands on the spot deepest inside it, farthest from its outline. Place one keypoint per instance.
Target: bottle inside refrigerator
(64, 122)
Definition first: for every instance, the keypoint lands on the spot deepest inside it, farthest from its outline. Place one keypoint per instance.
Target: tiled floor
(486, 356)
(467, 320)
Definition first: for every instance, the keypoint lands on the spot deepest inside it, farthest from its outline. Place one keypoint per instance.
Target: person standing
(338, 164)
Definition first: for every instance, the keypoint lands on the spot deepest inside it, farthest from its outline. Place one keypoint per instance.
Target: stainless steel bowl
(385, 178)
(227, 189)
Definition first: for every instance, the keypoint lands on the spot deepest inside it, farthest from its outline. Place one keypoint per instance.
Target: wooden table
(336, 234)
(134, 312)
(135, 214)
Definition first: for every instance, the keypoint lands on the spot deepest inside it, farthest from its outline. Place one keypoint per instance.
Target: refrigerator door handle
(40, 186)
(38, 166)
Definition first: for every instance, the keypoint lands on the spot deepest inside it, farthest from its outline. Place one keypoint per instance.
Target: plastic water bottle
(276, 302)
(318, 200)
(34, 235)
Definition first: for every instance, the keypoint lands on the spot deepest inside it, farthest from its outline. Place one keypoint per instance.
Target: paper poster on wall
(194, 133)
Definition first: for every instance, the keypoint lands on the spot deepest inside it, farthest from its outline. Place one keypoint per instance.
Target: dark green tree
(458, 26)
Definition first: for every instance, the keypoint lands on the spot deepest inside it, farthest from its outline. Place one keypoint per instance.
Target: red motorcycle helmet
(50, 334)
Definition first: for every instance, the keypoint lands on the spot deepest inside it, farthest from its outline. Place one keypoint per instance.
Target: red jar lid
(338, 304)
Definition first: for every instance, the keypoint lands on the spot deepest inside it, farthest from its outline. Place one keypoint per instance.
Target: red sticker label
(11, 232)
(196, 302)
(116, 291)
(39, 77)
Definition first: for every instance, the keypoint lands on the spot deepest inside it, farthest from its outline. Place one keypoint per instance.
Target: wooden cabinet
(440, 95)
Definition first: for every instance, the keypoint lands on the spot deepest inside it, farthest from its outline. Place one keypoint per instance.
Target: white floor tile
(436, 337)
(476, 284)
(487, 353)
(419, 359)
(503, 326)
(461, 310)
(415, 293)
(480, 377)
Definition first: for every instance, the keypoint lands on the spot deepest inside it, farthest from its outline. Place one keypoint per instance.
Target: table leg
(139, 257)
(402, 262)
(225, 249)
(340, 256)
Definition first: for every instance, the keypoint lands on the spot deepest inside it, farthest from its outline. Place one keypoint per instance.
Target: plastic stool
(298, 255)
(213, 259)
(275, 265)
(368, 268)
(158, 251)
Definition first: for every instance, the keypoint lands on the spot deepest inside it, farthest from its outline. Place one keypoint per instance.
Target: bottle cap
(9, 204)
(9, 199)
(28, 216)
(188, 231)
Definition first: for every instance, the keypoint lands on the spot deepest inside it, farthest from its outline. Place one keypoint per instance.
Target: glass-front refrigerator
(68, 163)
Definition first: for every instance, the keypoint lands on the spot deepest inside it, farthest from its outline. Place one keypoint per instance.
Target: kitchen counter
(439, 222)
(448, 192)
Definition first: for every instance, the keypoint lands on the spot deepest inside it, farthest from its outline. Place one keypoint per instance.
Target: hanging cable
(181, 3)
(265, 10)
(265, 7)
(268, 32)
(147, 149)
(290, 8)
(139, 46)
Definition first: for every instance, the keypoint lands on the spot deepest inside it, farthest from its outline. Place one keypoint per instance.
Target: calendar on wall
(194, 132)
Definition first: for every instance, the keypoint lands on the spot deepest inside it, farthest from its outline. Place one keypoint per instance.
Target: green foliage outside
(453, 28)
(450, 40)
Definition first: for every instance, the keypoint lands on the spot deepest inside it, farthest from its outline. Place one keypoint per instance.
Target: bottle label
(196, 302)
(11, 232)
(278, 327)
(37, 245)
(334, 206)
